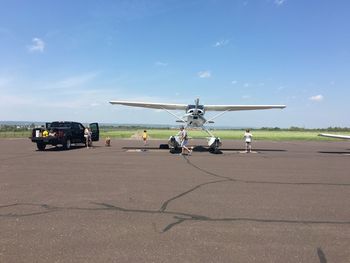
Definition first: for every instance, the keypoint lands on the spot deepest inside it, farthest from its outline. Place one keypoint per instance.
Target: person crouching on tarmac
(184, 141)
(108, 141)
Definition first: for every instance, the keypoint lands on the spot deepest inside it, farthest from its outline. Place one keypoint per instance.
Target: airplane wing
(241, 107)
(152, 105)
(334, 136)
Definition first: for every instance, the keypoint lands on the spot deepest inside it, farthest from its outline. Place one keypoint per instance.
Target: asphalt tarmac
(286, 202)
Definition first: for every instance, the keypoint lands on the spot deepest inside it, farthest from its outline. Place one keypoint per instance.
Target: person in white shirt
(184, 141)
(87, 139)
(248, 137)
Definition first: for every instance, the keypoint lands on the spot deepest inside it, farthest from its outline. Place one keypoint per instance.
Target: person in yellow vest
(144, 137)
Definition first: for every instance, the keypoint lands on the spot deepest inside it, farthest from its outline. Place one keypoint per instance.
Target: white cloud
(38, 45)
(204, 74)
(279, 2)
(76, 81)
(317, 98)
(161, 64)
(221, 43)
(234, 82)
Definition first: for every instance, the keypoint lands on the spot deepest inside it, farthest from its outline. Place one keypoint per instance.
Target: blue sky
(64, 60)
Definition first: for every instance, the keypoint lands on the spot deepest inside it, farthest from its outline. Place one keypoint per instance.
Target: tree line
(13, 128)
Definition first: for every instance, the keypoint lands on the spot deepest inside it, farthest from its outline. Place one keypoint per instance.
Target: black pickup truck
(62, 133)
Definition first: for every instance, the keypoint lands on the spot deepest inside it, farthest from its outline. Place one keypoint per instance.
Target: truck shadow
(60, 148)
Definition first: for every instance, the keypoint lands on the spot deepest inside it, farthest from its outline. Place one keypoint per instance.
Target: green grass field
(15, 134)
(223, 134)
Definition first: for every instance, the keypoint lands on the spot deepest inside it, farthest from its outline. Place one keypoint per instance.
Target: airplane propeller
(195, 112)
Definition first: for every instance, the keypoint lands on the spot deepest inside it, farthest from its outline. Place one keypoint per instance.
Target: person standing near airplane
(90, 137)
(248, 137)
(144, 137)
(86, 135)
(184, 141)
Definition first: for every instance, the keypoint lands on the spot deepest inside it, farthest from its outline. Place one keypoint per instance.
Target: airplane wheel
(174, 150)
(215, 151)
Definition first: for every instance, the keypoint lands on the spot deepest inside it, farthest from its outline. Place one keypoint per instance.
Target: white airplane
(334, 136)
(194, 116)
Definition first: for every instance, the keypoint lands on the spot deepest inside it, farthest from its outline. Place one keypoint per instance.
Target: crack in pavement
(180, 217)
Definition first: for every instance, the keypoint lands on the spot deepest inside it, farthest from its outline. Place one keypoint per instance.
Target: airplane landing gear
(174, 144)
(214, 143)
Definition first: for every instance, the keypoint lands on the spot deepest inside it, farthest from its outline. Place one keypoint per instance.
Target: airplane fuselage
(194, 116)
(195, 121)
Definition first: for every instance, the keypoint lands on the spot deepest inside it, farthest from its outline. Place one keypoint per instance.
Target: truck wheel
(41, 146)
(67, 144)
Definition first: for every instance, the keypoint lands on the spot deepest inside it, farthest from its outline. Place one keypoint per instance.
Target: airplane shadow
(166, 147)
(199, 148)
(254, 149)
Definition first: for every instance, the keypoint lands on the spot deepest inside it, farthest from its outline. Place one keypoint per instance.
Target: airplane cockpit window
(189, 107)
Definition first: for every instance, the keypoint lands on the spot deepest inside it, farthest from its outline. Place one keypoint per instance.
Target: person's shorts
(184, 143)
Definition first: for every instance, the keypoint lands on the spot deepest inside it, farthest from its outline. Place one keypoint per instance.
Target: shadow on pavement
(327, 152)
